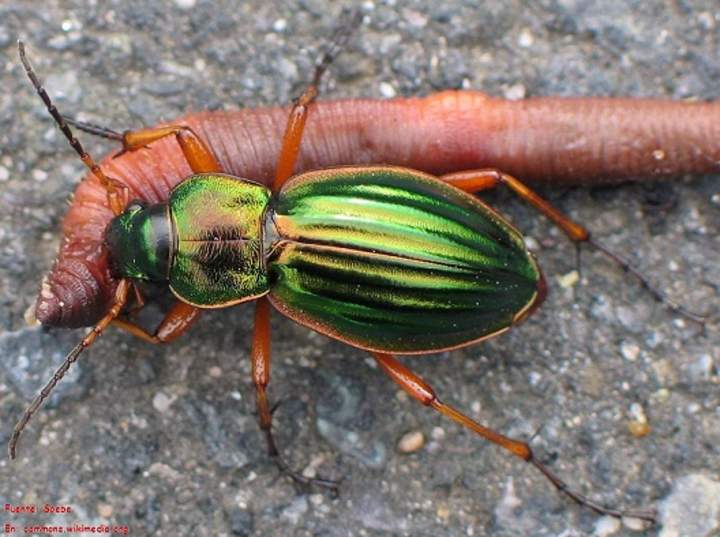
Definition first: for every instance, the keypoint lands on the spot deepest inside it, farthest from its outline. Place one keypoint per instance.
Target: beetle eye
(135, 205)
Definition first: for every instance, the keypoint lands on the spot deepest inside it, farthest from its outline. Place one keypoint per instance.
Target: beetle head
(140, 242)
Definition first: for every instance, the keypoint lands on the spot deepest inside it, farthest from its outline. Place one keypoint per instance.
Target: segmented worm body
(553, 140)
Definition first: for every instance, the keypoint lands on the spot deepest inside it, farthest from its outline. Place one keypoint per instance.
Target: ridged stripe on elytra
(391, 259)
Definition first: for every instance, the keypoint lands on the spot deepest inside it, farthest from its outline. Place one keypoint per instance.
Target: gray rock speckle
(692, 509)
(340, 418)
(33, 354)
(241, 522)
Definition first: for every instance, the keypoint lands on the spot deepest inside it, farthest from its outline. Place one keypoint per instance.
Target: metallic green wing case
(393, 260)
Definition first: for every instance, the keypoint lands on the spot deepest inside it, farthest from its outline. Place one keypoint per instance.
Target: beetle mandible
(387, 259)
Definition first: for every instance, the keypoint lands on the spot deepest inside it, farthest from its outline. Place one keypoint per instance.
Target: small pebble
(387, 90)
(635, 524)
(515, 92)
(411, 442)
(105, 510)
(185, 4)
(701, 369)
(569, 280)
(310, 472)
(296, 510)
(39, 175)
(162, 402)
(69, 25)
(525, 39)
(638, 424)
(443, 512)
(47, 438)
(29, 316)
(4, 173)
(279, 25)
(534, 378)
(639, 429)
(706, 20)
(630, 351)
(532, 244)
(606, 526)
(215, 372)
(637, 412)
(415, 18)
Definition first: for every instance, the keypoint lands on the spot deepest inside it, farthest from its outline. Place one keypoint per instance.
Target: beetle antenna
(656, 293)
(121, 295)
(350, 19)
(116, 191)
(292, 138)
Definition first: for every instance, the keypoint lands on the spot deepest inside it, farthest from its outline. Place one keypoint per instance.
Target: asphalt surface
(164, 440)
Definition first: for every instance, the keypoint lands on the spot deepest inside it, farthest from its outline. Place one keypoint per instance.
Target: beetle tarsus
(656, 293)
(475, 181)
(297, 477)
(646, 515)
(421, 391)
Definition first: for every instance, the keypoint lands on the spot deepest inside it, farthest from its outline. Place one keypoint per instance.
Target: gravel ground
(164, 440)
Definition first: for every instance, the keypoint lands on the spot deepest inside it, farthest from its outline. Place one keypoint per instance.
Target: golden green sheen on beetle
(219, 258)
(383, 258)
(391, 259)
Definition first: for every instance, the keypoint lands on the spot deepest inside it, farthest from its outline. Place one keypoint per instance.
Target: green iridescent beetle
(386, 259)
